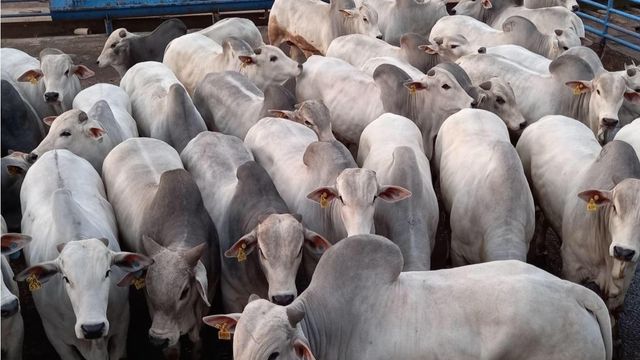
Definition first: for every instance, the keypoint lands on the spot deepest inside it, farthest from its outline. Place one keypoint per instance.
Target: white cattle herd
(301, 181)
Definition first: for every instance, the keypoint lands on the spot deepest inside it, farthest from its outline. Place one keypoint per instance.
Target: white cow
(193, 56)
(595, 102)
(239, 28)
(324, 170)
(359, 283)
(537, 4)
(160, 104)
(118, 101)
(50, 84)
(514, 30)
(12, 324)
(71, 257)
(479, 169)
(631, 135)
(392, 147)
(311, 25)
(144, 178)
(230, 103)
(356, 49)
(590, 195)
(398, 17)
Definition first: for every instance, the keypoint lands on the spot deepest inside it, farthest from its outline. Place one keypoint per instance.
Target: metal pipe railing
(607, 25)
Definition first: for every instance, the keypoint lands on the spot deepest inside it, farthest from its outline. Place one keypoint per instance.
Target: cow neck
(579, 107)
(328, 337)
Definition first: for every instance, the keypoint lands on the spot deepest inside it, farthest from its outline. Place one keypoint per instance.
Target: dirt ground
(85, 50)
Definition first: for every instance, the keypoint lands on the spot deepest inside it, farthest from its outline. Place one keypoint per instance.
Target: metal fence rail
(605, 21)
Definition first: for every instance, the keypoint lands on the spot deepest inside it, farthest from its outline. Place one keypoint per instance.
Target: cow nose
(282, 299)
(10, 308)
(92, 331)
(623, 254)
(575, 8)
(51, 96)
(609, 122)
(474, 104)
(97, 62)
(482, 50)
(157, 342)
(523, 125)
(300, 67)
(32, 157)
(453, 11)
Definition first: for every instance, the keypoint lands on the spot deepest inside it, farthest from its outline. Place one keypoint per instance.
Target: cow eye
(299, 252)
(107, 274)
(342, 201)
(66, 73)
(261, 253)
(308, 123)
(184, 292)
(274, 355)
(113, 45)
(66, 279)
(65, 133)
(598, 91)
(500, 100)
(446, 86)
(365, 20)
(453, 46)
(273, 58)
(565, 48)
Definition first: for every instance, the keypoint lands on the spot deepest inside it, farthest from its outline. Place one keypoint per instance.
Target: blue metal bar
(614, 11)
(607, 25)
(628, 44)
(613, 26)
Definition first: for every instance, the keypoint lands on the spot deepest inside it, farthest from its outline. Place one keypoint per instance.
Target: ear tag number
(591, 205)
(34, 283)
(223, 332)
(242, 254)
(324, 203)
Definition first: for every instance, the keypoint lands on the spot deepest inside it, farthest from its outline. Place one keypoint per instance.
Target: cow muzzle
(93, 331)
(158, 342)
(283, 300)
(609, 123)
(623, 254)
(51, 97)
(10, 308)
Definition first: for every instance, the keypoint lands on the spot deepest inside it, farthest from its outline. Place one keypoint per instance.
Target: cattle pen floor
(85, 49)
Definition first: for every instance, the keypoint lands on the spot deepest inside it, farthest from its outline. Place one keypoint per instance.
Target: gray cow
(590, 195)
(230, 103)
(358, 292)
(160, 213)
(122, 49)
(21, 128)
(262, 243)
(13, 168)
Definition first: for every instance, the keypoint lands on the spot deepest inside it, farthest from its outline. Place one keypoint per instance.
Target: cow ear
(302, 350)
(96, 133)
(49, 120)
(31, 76)
(244, 246)
(202, 284)
(429, 49)
(13, 242)
(131, 262)
(487, 4)
(285, 114)
(193, 255)
(246, 59)
(83, 72)
(253, 297)
(348, 12)
(40, 273)
(632, 96)
(598, 197)
(323, 195)
(416, 85)
(580, 86)
(151, 246)
(393, 193)
(315, 243)
(228, 321)
(17, 169)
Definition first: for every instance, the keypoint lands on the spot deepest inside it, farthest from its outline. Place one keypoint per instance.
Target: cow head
(115, 51)
(355, 193)
(280, 240)
(265, 331)
(74, 131)
(177, 288)
(352, 19)
(268, 66)
(606, 93)
(85, 268)
(313, 114)
(632, 76)
(451, 47)
(563, 40)
(477, 9)
(59, 77)
(11, 244)
(497, 96)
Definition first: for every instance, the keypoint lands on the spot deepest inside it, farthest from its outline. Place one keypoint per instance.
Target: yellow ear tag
(33, 80)
(223, 332)
(324, 203)
(242, 255)
(412, 89)
(34, 283)
(591, 206)
(138, 283)
(578, 89)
